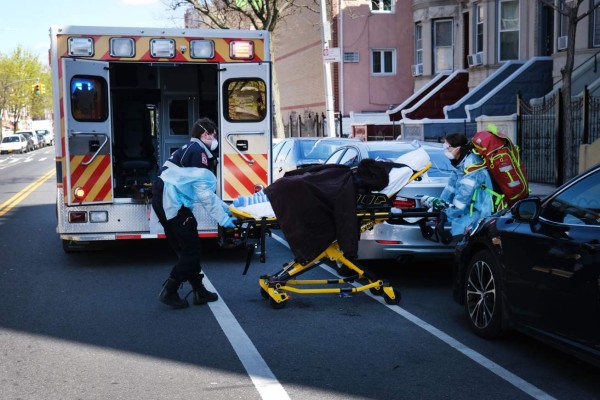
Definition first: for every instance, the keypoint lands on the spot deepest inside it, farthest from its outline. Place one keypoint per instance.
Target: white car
(47, 135)
(31, 136)
(13, 144)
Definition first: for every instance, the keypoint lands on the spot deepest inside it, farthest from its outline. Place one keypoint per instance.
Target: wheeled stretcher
(372, 209)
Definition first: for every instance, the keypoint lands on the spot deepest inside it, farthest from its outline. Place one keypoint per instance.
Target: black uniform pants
(182, 234)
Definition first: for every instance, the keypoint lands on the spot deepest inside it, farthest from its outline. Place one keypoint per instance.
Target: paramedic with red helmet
(186, 179)
(463, 201)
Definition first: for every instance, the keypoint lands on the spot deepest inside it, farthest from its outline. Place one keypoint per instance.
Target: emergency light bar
(162, 48)
(202, 48)
(241, 50)
(122, 47)
(81, 46)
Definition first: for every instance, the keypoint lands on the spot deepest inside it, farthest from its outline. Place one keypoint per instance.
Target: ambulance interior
(153, 109)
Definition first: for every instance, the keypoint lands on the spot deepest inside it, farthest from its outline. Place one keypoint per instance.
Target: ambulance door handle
(229, 140)
(86, 163)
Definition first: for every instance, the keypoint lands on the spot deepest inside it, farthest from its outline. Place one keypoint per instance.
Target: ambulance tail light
(98, 216)
(202, 49)
(258, 188)
(241, 49)
(79, 193)
(81, 46)
(122, 47)
(77, 217)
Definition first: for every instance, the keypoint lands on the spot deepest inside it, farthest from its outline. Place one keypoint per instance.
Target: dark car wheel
(483, 295)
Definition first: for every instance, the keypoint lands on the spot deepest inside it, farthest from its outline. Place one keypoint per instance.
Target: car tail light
(404, 202)
(388, 241)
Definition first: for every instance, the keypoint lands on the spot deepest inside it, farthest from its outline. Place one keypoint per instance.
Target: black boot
(201, 294)
(169, 295)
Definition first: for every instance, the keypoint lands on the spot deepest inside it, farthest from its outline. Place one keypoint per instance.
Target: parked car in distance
(13, 144)
(47, 135)
(535, 268)
(402, 240)
(34, 144)
(292, 153)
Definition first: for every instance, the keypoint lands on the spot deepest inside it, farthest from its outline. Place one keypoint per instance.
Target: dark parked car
(401, 240)
(292, 153)
(536, 268)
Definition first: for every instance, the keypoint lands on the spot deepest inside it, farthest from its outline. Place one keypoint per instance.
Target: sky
(26, 23)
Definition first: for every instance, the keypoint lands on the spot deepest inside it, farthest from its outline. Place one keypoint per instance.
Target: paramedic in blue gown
(186, 179)
(463, 201)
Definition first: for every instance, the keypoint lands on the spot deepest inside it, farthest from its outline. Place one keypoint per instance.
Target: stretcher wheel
(277, 305)
(391, 301)
(264, 294)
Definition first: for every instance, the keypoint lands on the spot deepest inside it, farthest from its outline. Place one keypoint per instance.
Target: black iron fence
(307, 124)
(540, 137)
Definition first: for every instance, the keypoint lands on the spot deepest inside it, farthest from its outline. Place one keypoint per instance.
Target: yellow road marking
(17, 198)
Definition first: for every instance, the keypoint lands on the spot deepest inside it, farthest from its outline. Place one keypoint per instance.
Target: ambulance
(126, 98)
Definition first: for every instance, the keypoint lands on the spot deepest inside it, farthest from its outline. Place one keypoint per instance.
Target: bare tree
(248, 14)
(569, 9)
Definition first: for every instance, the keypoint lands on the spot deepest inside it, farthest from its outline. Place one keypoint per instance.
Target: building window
(383, 62)
(419, 44)
(478, 28)
(384, 6)
(443, 48)
(508, 30)
(596, 26)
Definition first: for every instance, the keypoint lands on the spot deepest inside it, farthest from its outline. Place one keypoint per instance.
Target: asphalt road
(89, 326)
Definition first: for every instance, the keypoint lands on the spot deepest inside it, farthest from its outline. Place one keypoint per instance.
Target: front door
(88, 136)
(244, 128)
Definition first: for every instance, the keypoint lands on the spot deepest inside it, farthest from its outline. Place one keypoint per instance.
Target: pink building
(377, 46)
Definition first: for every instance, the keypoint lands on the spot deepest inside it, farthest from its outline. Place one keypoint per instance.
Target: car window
(322, 149)
(335, 156)
(277, 149)
(351, 157)
(10, 139)
(577, 205)
(306, 147)
(285, 150)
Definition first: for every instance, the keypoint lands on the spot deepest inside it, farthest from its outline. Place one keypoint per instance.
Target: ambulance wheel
(389, 300)
(276, 305)
(264, 294)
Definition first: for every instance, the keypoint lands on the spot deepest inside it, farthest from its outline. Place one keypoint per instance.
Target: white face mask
(448, 154)
(214, 144)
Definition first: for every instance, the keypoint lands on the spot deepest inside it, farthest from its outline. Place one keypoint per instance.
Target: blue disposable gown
(468, 201)
(185, 186)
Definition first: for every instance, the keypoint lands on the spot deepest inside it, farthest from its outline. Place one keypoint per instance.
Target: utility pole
(326, 37)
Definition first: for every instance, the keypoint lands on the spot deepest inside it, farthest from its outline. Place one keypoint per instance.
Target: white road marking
(261, 375)
(480, 359)
(43, 158)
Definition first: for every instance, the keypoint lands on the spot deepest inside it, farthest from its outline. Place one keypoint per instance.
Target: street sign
(332, 54)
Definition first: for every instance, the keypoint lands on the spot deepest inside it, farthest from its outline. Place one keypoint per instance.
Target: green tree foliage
(19, 71)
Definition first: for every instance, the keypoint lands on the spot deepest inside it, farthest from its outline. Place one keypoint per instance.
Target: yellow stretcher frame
(275, 287)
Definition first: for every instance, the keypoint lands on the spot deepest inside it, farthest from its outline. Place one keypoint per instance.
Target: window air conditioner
(562, 43)
(475, 59)
(417, 70)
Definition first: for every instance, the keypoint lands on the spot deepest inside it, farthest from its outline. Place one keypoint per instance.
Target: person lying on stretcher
(316, 205)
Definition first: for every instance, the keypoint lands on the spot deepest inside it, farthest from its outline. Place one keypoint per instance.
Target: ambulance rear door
(245, 128)
(88, 138)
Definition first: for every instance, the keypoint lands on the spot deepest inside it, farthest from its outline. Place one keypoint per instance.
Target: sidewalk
(541, 189)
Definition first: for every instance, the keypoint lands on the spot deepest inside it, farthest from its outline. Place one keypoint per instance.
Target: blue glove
(259, 197)
(226, 209)
(229, 223)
